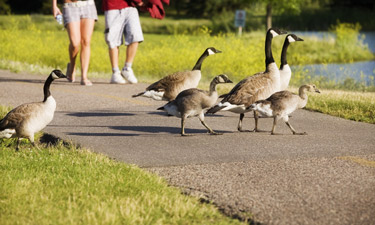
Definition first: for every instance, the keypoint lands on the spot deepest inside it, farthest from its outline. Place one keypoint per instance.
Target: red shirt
(119, 4)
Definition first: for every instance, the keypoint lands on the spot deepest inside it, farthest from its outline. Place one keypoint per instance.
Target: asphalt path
(325, 177)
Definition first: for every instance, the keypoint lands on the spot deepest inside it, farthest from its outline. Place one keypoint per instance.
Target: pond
(360, 71)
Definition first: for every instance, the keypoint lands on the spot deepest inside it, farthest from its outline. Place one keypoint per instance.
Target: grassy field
(66, 185)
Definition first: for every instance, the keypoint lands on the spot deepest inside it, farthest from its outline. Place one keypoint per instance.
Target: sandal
(86, 82)
(69, 76)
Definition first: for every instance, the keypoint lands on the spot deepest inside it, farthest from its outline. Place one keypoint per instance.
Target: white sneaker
(117, 78)
(128, 74)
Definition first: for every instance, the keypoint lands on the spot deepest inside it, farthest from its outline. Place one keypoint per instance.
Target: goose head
(212, 51)
(276, 31)
(57, 74)
(293, 38)
(311, 88)
(222, 78)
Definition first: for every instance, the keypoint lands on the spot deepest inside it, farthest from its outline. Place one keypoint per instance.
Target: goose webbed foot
(302, 133)
(186, 135)
(216, 133)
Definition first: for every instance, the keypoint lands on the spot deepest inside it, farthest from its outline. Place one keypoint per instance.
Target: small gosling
(193, 102)
(282, 103)
(27, 119)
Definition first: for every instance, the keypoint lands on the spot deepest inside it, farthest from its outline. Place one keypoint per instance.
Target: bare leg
(74, 34)
(131, 51)
(113, 56)
(86, 29)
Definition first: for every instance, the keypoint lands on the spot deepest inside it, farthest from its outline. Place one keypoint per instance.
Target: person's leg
(113, 57)
(74, 34)
(131, 51)
(87, 27)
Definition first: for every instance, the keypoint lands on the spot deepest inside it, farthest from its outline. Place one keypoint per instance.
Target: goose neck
(198, 65)
(46, 87)
(283, 54)
(268, 49)
(213, 87)
(302, 92)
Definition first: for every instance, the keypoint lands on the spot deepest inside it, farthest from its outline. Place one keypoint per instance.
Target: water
(359, 71)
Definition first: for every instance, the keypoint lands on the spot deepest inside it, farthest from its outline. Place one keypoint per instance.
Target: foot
(186, 135)
(215, 133)
(128, 74)
(303, 133)
(86, 82)
(69, 75)
(117, 78)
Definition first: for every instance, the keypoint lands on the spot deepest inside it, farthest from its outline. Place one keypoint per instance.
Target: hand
(56, 11)
(140, 4)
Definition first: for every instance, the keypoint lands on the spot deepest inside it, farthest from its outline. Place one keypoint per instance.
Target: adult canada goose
(259, 86)
(282, 103)
(285, 71)
(168, 87)
(193, 102)
(27, 119)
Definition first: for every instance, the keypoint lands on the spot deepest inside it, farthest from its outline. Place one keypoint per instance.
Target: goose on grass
(29, 118)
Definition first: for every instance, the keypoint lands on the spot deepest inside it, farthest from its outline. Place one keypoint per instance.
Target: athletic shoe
(128, 74)
(117, 78)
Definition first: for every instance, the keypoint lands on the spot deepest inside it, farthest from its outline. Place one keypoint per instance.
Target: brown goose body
(170, 86)
(281, 104)
(253, 88)
(193, 102)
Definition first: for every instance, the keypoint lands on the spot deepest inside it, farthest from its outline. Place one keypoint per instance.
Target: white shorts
(122, 22)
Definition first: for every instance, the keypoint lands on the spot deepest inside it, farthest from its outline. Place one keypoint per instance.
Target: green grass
(67, 185)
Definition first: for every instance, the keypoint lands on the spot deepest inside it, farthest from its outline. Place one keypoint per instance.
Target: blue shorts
(121, 23)
(75, 11)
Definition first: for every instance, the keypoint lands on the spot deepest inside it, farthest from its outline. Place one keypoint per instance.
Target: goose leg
(239, 126)
(183, 118)
(18, 144)
(256, 117)
(274, 125)
(201, 118)
(286, 119)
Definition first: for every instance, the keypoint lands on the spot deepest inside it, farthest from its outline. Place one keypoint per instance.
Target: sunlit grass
(66, 185)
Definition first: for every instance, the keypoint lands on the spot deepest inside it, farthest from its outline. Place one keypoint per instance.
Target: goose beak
(317, 91)
(299, 39)
(218, 51)
(283, 32)
(229, 81)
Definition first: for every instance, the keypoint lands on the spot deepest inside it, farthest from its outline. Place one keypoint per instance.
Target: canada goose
(168, 87)
(193, 102)
(282, 103)
(27, 119)
(259, 86)
(285, 71)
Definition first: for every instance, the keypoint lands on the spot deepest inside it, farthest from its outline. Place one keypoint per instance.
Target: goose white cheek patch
(274, 34)
(291, 39)
(210, 52)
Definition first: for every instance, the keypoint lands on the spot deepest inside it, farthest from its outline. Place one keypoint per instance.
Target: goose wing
(169, 81)
(16, 116)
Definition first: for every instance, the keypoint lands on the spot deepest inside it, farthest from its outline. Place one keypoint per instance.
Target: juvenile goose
(259, 86)
(193, 102)
(285, 71)
(283, 103)
(168, 87)
(27, 119)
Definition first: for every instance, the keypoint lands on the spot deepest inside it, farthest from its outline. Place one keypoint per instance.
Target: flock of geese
(263, 93)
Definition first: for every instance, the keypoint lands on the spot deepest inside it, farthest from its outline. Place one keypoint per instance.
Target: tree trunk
(269, 16)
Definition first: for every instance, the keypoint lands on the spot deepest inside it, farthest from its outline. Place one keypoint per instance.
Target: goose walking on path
(170, 86)
(282, 104)
(249, 90)
(193, 102)
(29, 118)
(285, 71)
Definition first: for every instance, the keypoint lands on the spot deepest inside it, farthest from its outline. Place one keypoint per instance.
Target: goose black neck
(269, 57)
(198, 65)
(47, 84)
(213, 86)
(283, 54)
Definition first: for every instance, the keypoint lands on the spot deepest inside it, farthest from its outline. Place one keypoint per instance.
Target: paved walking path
(325, 177)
